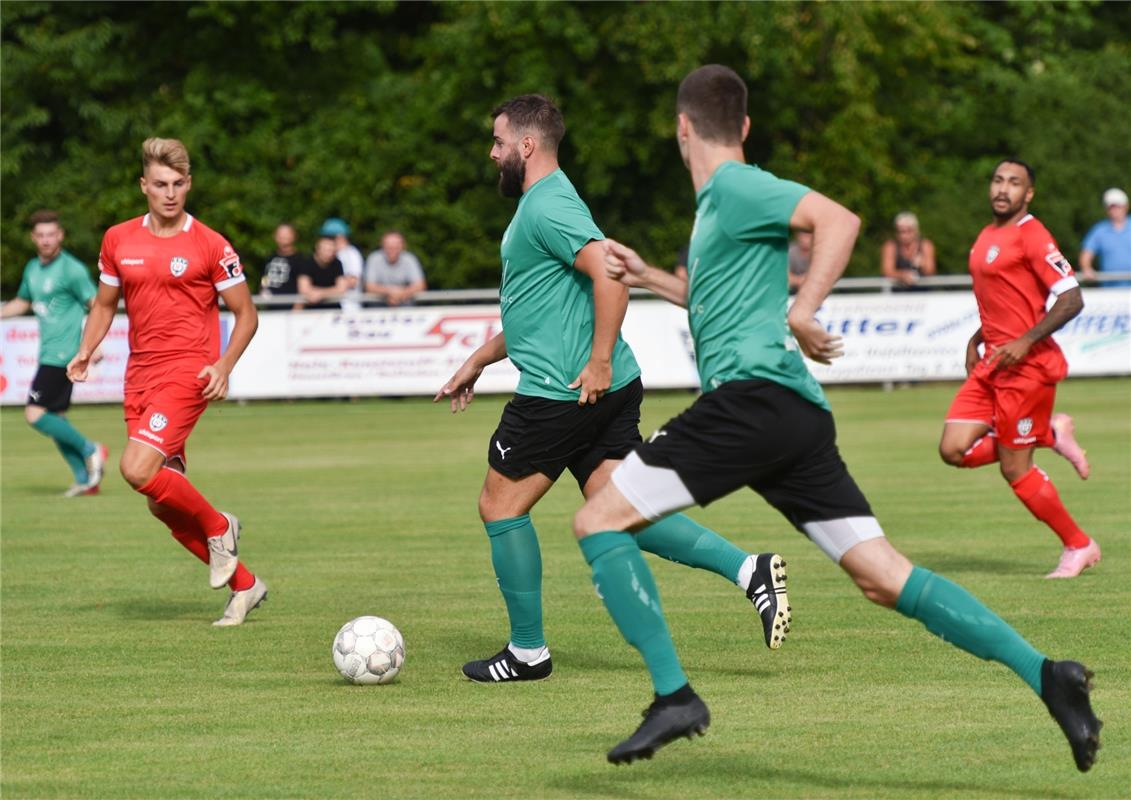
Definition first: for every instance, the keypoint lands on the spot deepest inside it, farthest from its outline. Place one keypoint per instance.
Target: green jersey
(547, 305)
(738, 289)
(59, 293)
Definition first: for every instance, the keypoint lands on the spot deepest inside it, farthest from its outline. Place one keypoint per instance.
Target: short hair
(169, 153)
(714, 99)
(534, 112)
(44, 216)
(1028, 170)
(906, 218)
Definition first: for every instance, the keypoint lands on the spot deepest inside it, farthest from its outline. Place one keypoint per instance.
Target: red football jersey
(170, 286)
(1015, 268)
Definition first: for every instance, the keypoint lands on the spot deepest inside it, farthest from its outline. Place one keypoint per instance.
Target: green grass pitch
(114, 685)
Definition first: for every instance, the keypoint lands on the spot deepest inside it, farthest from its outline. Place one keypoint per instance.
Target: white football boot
(223, 553)
(240, 604)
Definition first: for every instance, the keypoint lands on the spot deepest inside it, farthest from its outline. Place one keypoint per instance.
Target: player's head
(906, 226)
(325, 249)
(1115, 203)
(392, 244)
(165, 178)
(711, 105)
(47, 234)
(1011, 189)
(526, 126)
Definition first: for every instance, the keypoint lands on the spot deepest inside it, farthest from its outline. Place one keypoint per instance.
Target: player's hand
(1009, 354)
(217, 386)
(972, 357)
(97, 356)
(460, 388)
(595, 379)
(816, 342)
(624, 264)
(78, 367)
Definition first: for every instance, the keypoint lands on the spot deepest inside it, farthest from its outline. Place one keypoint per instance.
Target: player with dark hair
(763, 422)
(1004, 410)
(57, 287)
(171, 268)
(577, 404)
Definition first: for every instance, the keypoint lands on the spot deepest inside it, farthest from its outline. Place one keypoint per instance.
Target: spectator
(351, 258)
(908, 256)
(321, 280)
(280, 274)
(393, 272)
(800, 251)
(1110, 239)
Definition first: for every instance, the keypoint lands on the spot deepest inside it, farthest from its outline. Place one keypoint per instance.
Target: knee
(1013, 472)
(589, 520)
(487, 511)
(136, 473)
(33, 413)
(880, 593)
(951, 454)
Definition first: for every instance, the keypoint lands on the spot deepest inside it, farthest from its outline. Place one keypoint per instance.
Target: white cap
(1115, 197)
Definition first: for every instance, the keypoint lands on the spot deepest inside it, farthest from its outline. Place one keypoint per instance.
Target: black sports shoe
(665, 720)
(766, 591)
(503, 666)
(1064, 688)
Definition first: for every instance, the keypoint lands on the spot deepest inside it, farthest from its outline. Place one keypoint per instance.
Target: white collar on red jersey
(1020, 222)
(188, 222)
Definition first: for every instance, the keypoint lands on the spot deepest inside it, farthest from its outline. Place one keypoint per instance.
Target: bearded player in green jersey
(58, 288)
(763, 422)
(577, 405)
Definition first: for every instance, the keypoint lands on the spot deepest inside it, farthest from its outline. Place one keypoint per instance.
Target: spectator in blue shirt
(1109, 240)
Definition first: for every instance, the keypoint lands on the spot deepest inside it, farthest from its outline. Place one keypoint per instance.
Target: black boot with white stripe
(766, 591)
(504, 666)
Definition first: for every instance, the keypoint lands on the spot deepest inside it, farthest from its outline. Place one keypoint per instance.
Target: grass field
(114, 685)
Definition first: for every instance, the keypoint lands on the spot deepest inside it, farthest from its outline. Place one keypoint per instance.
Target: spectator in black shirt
(321, 281)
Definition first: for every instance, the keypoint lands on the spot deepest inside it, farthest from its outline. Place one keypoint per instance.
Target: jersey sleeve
(24, 292)
(224, 264)
(1045, 260)
(108, 261)
(765, 207)
(566, 230)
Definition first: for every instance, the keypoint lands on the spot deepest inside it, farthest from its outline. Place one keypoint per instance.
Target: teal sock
(75, 461)
(683, 540)
(518, 568)
(956, 616)
(625, 584)
(59, 429)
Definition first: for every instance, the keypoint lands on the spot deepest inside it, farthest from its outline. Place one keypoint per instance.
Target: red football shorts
(1015, 403)
(163, 415)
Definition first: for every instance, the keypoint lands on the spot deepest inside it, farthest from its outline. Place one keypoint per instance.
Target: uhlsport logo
(991, 254)
(1024, 426)
(158, 422)
(178, 266)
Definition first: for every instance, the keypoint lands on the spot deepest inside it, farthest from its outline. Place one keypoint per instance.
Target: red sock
(982, 452)
(170, 488)
(1039, 495)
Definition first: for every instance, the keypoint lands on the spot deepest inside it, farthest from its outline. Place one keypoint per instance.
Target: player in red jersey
(1005, 408)
(170, 268)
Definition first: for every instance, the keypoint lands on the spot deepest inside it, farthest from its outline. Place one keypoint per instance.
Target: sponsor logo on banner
(178, 266)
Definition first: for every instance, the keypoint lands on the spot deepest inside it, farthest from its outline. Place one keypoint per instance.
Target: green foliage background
(379, 112)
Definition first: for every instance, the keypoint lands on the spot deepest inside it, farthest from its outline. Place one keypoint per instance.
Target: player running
(577, 405)
(57, 287)
(170, 268)
(763, 422)
(1004, 409)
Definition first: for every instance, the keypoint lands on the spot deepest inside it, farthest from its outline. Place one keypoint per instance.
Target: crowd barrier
(912, 336)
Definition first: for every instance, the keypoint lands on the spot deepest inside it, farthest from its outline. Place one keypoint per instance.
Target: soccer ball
(368, 650)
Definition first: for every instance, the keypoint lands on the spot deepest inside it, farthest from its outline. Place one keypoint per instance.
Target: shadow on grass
(962, 562)
(147, 608)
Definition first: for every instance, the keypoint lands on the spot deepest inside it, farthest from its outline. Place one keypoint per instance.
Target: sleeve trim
(222, 285)
(109, 280)
(1063, 285)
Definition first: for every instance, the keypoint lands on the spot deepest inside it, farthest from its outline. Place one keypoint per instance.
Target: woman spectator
(908, 256)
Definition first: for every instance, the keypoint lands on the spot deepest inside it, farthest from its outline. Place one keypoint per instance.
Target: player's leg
(48, 401)
(1064, 430)
(968, 439)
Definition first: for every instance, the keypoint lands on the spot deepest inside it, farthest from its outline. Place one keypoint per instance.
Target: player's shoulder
(1033, 231)
(123, 229)
(203, 233)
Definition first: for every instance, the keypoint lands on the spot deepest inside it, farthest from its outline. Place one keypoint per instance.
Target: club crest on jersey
(178, 266)
(992, 254)
(158, 422)
(1024, 426)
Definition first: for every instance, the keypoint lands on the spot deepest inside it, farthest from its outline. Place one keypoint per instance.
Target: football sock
(683, 540)
(64, 433)
(188, 533)
(75, 461)
(1039, 495)
(517, 560)
(982, 452)
(170, 488)
(530, 655)
(956, 616)
(624, 582)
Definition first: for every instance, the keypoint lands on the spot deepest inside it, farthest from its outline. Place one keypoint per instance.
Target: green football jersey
(547, 305)
(59, 293)
(738, 291)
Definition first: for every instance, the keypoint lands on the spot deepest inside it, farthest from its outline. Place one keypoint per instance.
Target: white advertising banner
(913, 336)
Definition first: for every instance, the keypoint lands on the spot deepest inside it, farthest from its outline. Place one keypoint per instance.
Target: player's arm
(834, 230)
(610, 302)
(460, 388)
(14, 307)
(928, 264)
(1068, 304)
(238, 300)
(623, 264)
(887, 261)
(102, 310)
(972, 354)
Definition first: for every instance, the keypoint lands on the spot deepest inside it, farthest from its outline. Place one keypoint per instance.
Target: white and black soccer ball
(369, 650)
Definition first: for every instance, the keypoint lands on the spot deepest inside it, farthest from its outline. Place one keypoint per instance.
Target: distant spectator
(393, 272)
(1110, 240)
(280, 274)
(321, 281)
(680, 270)
(800, 252)
(908, 256)
(352, 261)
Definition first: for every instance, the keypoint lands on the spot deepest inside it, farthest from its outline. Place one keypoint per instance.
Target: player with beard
(1004, 409)
(577, 404)
(764, 423)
